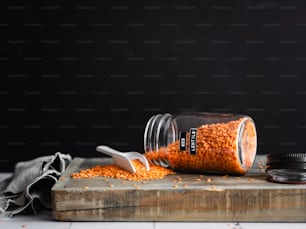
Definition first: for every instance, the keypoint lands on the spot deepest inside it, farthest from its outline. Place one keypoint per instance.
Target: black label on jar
(183, 141)
(192, 141)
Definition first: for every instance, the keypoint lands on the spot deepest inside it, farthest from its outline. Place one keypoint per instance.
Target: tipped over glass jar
(202, 142)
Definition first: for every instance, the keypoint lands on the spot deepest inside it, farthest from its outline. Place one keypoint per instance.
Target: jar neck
(156, 132)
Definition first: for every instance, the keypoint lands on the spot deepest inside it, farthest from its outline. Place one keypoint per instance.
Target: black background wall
(76, 74)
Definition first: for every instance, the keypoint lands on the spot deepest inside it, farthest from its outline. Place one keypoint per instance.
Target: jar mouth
(155, 131)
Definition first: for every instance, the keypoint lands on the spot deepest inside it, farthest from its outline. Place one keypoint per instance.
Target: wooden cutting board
(179, 197)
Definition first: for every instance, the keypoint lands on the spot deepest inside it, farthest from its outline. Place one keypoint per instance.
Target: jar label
(192, 141)
(183, 141)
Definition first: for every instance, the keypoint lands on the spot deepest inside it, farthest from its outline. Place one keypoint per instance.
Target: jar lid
(287, 168)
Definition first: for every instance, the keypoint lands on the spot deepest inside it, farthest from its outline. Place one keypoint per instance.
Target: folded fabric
(31, 183)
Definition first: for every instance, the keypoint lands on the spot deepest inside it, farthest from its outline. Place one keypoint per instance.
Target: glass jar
(202, 142)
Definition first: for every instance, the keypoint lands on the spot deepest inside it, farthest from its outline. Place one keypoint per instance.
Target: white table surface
(44, 220)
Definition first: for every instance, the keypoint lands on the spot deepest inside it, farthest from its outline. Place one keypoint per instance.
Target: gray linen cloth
(30, 185)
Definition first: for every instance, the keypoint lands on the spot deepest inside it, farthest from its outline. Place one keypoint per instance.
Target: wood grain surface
(178, 197)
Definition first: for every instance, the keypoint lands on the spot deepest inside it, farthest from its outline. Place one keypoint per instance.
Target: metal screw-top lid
(287, 168)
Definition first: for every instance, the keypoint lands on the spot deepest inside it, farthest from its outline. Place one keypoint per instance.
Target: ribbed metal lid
(286, 168)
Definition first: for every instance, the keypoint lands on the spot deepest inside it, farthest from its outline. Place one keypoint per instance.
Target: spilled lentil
(113, 171)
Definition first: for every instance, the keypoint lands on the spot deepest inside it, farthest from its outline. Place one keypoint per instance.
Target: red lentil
(113, 171)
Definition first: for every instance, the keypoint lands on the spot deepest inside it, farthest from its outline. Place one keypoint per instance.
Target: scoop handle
(107, 150)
